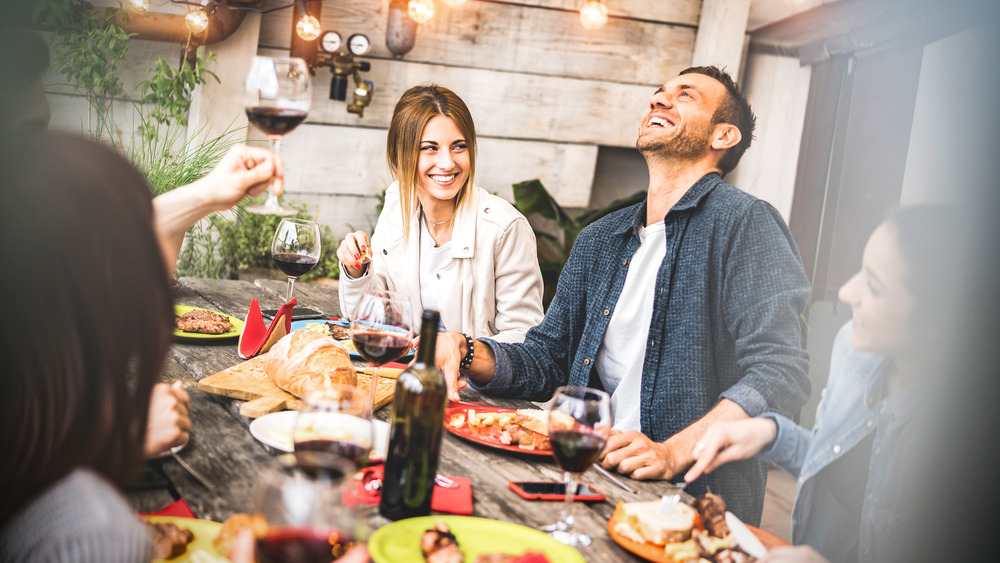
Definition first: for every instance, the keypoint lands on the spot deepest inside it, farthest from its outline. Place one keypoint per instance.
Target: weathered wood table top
(222, 448)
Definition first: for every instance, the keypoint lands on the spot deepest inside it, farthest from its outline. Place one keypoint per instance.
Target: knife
(746, 539)
(607, 474)
(204, 482)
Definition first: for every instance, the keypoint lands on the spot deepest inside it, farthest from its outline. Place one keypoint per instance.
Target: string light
(421, 11)
(454, 2)
(308, 27)
(196, 21)
(594, 14)
(137, 7)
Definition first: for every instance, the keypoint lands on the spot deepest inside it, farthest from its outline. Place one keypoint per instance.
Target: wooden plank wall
(545, 93)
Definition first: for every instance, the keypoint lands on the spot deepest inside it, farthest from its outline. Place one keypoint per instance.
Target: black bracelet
(467, 360)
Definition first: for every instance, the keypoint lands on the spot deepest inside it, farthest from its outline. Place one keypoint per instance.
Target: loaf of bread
(306, 361)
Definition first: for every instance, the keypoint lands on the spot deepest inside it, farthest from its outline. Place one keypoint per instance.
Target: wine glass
(302, 518)
(278, 95)
(382, 330)
(579, 424)
(295, 249)
(336, 423)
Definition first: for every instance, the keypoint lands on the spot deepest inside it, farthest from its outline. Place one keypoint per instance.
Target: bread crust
(306, 361)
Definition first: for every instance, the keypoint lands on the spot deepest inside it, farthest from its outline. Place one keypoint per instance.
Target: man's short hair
(734, 110)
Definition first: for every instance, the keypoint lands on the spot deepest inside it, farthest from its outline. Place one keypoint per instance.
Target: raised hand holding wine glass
(295, 249)
(580, 421)
(278, 95)
(382, 330)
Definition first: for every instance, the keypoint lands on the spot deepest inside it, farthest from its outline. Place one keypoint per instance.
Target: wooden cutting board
(247, 381)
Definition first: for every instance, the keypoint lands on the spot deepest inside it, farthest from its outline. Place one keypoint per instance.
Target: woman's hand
(169, 423)
(355, 253)
(730, 441)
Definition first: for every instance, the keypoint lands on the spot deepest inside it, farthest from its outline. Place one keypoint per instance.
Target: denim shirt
(853, 407)
(729, 293)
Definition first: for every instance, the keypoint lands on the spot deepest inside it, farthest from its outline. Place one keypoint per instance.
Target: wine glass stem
(566, 518)
(374, 388)
(272, 200)
(291, 286)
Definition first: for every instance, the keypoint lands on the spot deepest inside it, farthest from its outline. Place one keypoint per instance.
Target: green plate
(204, 532)
(233, 332)
(399, 542)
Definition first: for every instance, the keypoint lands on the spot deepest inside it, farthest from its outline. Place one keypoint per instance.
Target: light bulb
(454, 2)
(137, 7)
(421, 11)
(308, 27)
(593, 15)
(196, 21)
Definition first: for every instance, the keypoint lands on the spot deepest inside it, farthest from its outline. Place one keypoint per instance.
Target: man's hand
(168, 425)
(448, 352)
(634, 454)
(790, 554)
(730, 441)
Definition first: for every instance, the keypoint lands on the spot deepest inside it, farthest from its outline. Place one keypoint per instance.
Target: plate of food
(204, 324)
(341, 331)
(415, 540)
(524, 431)
(640, 528)
(275, 430)
(182, 540)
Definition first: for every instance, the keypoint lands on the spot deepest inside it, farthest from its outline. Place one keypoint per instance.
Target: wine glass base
(572, 539)
(262, 209)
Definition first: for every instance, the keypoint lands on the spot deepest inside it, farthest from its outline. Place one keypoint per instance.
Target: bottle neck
(428, 340)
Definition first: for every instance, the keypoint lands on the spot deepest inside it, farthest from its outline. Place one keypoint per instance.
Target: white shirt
(619, 359)
(432, 259)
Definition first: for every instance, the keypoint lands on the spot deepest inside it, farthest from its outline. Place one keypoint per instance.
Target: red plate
(488, 437)
(651, 552)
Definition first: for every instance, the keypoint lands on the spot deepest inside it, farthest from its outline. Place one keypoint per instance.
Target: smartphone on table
(553, 490)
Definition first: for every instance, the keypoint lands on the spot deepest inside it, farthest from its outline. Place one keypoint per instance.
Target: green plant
(88, 48)
(167, 92)
(531, 198)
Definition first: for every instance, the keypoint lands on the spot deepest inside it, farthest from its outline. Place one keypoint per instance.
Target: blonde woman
(441, 240)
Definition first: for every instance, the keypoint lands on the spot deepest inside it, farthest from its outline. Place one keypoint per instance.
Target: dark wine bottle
(415, 436)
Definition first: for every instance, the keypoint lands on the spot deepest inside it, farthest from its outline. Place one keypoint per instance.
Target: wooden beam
(721, 32)
(510, 37)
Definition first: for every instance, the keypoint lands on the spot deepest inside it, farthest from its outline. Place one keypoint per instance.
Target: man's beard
(686, 145)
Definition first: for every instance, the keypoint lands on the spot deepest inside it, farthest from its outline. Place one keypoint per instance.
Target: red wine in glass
(273, 121)
(576, 450)
(380, 348)
(291, 544)
(313, 455)
(294, 265)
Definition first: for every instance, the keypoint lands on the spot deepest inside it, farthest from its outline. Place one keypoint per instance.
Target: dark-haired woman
(442, 241)
(855, 466)
(88, 321)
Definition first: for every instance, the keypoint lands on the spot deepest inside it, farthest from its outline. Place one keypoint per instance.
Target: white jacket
(491, 287)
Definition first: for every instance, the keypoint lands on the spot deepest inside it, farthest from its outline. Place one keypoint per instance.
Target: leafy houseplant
(531, 198)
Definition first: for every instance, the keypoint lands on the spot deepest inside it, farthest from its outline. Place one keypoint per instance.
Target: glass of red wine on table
(278, 96)
(579, 425)
(295, 250)
(335, 424)
(382, 330)
(303, 517)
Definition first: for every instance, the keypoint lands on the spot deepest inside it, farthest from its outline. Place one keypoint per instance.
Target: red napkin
(176, 508)
(256, 338)
(456, 500)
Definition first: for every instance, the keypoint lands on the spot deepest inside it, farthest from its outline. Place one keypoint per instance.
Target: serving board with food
(523, 431)
(277, 380)
(685, 534)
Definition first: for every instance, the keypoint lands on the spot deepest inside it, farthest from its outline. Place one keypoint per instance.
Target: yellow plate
(205, 532)
(233, 332)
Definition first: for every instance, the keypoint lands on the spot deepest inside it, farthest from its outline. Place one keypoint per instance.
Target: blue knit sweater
(729, 295)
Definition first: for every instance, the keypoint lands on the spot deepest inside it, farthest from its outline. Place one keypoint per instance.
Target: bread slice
(656, 528)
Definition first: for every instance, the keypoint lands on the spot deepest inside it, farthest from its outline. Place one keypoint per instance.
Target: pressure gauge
(331, 41)
(359, 44)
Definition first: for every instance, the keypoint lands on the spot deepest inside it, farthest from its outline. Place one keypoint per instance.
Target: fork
(670, 500)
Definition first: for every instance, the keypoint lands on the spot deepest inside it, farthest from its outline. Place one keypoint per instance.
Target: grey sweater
(81, 518)
(725, 324)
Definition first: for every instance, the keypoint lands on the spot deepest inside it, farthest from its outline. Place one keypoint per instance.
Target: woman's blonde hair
(415, 108)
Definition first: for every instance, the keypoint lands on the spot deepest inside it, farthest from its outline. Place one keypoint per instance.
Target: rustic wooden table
(222, 448)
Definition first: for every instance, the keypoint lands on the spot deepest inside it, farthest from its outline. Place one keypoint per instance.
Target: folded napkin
(256, 338)
(455, 500)
(176, 508)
